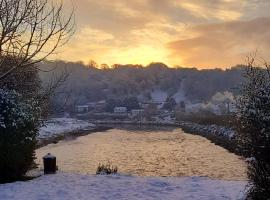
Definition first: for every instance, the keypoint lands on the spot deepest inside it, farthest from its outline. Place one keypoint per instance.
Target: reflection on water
(147, 153)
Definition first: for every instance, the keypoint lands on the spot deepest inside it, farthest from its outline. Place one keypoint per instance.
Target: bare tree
(30, 31)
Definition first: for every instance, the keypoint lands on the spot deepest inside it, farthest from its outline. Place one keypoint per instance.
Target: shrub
(106, 169)
(254, 135)
(19, 123)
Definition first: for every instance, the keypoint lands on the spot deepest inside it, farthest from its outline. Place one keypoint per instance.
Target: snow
(66, 186)
(212, 129)
(49, 156)
(58, 126)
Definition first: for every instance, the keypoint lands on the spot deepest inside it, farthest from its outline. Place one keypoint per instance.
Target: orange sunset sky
(189, 33)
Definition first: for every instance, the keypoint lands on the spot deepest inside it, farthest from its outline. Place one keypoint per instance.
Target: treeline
(88, 83)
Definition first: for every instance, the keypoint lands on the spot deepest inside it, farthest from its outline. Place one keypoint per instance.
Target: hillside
(153, 82)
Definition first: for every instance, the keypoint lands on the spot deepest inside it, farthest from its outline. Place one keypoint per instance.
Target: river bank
(56, 129)
(70, 135)
(222, 136)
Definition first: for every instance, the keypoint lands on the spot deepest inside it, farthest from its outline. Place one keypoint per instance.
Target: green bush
(19, 123)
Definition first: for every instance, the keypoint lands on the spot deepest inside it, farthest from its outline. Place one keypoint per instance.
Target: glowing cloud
(201, 33)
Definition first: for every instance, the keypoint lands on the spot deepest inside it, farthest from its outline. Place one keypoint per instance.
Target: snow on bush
(254, 116)
(19, 122)
(106, 169)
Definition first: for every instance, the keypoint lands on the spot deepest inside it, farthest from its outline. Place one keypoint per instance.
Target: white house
(120, 110)
(137, 112)
(82, 108)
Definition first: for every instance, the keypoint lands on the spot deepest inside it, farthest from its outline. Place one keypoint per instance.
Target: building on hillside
(100, 106)
(157, 104)
(91, 104)
(137, 113)
(82, 108)
(120, 110)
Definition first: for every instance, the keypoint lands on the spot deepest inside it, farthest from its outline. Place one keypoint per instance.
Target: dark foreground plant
(254, 117)
(19, 123)
(259, 173)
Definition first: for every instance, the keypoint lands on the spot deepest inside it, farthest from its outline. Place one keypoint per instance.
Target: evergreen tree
(19, 123)
(254, 115)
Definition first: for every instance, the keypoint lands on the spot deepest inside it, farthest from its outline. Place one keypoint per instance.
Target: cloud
(220, 10)
(83, 47)
(223, 44)
(122, 15)
(187, 32)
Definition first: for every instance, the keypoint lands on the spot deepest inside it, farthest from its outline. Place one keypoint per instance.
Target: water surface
(166, 152)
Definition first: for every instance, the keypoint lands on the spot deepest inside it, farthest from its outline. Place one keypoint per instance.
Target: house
(120, 110)
(157, 104)
(144, 105)
(82, 109)
(137, 113)
(91, 104)
(100, 106)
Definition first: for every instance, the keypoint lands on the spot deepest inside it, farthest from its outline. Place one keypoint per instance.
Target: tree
(19, 123)
(25, 82)
(254, 115)
(131, 103)
(169, 104)
(111, 104)
(150, 111)
(30, 31)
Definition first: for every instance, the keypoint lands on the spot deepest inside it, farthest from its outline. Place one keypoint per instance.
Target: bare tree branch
(31, 31)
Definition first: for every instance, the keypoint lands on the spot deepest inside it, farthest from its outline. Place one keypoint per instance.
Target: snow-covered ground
(64, 186)
(58, 126)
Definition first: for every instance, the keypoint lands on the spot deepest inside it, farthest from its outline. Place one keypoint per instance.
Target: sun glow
(187, 33)
(139, 55)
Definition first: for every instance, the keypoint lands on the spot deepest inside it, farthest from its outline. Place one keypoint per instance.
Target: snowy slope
(66, 186)
(57, 126)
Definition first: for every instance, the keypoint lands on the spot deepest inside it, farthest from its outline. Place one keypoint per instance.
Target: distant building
(137, 113)
(157, 104)
(120, 110)
(92, 104)
(82, 108)
(144, 105)
(100, 106)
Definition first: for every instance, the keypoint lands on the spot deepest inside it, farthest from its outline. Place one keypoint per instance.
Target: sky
(187, 33)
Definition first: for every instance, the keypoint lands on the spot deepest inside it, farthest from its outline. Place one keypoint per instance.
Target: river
(147, 152)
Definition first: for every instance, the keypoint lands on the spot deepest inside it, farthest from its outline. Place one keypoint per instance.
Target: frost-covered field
(58, 126)
(66, 186)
